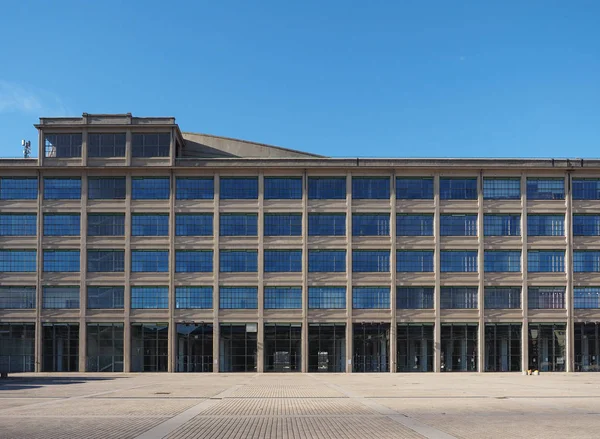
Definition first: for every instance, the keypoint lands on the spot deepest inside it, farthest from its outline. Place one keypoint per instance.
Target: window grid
(586, 189)
(238, 297)
(239, 188)
(376, 224)
(112, 224)
(63, 145)
(546, 297)
(545, 188)
(238, 261)
(280, 261)
(18, 188)
(283, 298)
(414, 225)
(280, 224)
(192, 188)
(150, 188)
(326, 261)
(501, 188)
(62, 225)
(326, 297)
(61, 260)
(414, 261)
(150, 144)
(502, 297)
(326, 188)
(106, 188)
(238, 224)
(546, 261)
(193, 297)
(324, 224)
(105, 261)
(17, 297)
(545, 225)
(586, 261)
(143, 224)
(283, 188)
(414, 297)
(370, 261)
(586, 297)
(458, 261)
(502, 261)
(371, 297)
(62, 188)
(105, 297)
(149, 297)
(458, 188)
(60, 297)
(14, 224)
(414, 188)
(193, 261)
(106, 145)
(370, 188)
(17, 261)
(586, 225)
(194, 224)
(502, 225)
(458, 225)
(458, 298)
(149, 261)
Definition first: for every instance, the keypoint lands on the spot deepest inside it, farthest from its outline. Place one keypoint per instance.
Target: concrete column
(570, 335)
(172, 342)
(128, 149)
(524, 268)
(305, 347)
(127, 286)
(84, 147)
(349, 344)
(481, 273)
(260, 363)
(437, 329)
(39, 269)
(41, 149)
(216, 270)
(393, 275)
(83, 273)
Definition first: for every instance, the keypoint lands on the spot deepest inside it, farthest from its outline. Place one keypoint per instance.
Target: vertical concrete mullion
(437, 335)
(172, 342)
(83, 273)
(349, 344)
(305, 347)
(216, 270)
(524, 268)
(570, 345)
(39, 270)
(481, 273)
(393, 275)
(260, 366)
(127, 287)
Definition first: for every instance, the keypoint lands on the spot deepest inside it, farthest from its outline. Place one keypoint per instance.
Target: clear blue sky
(340, 78)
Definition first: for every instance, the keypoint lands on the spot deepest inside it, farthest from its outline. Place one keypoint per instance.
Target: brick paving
(435, 406)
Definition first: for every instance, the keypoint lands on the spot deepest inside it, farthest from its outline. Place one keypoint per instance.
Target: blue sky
(339, 78)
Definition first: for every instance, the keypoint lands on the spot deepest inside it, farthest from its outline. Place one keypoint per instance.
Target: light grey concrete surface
(440, 406)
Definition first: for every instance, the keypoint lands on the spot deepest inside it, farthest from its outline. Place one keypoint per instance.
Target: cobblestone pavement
(377, 406)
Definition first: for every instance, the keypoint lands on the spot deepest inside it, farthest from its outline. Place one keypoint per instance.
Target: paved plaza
(375, 406)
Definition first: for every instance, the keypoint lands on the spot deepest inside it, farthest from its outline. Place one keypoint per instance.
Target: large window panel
(18, 188)
(370, 261)
(326, 188)
(501, 188)
(106, 188)
(502, 225)
(154, 297)
(106, 144)
(375, 224)
(326, 297)
(546, 225)
(502, 297)
(458, 225)
(150, 188)
(105, 297)
(238, 261)
(238, 297)
(586, 297)
(586, 225)
(16, 297)
(370, 188)
(62, 145)
(62, 225)
(283, 261)
(239, 188)
(143, 224)
(57, 188)
(194, 188)
(105, 261)
(238, 224)
(414, 297)
(282, 224)
(371, 297)
(326, 224)
(458, 188)
(458, 298)
(150, 144)
(283, 188)
(458, 261)
(283, 297)
(546, 297)
(502, 261)
(149, 261)
(545, 188)
(15, 224)
(414, 261)
(414, 225)
(191, 224)
(17, 261)
(586, 261)
(193, 261)
(586, 189)
(109, 224)
(60, 297)
(326, 261)
(414, 188)
(61, 260)
(193, 297)
(546, 261)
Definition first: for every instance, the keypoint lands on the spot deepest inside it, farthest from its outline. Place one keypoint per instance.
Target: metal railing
(105, 363)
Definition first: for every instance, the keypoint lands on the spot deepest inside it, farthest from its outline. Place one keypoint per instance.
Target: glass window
(106, 145)
(415, 261)
(281, 224)
(458, 261)
(414, 188)
(61, 260)
(415, 347)
(105, 261)
(194, 188)
(238, 297)
(149, 347)
(586, 297)
(239, 188)
(458, 225)
(110, 224)
(104, 347)
(18, 261)
(143, 224)
(187, 224)
(414, 297)
(546, 297)
(371, 188)
(144, 261)
(149, 297)
(148, 188)
(239, 347)
(283, 188)
(283, 297)
(283, 261)
(370, 261)
(62, 225)
(326, 224)
(586, 261)
(414, 225)
(14, 224)
(60, 334)
(150, 144)
(501, 188)
(60, 298)
(326, 188)
(586, 189)
(62, 188)
(105, 297)
(18, 188)
(106, 188)
(586, 225)
(238, 224)
(193, 261)
(458, 298)
(371, 297)
(326, 261)
(17, 298)
(62, 145)
(194, 297)
(545, 188)
(502, 225)
(327, 297)
(458, 188)
(503, 347)
(238, 261)
(546, 261)
(502, 297)
(502, 261)
(546, 225)
(371, 224)
(326, 347)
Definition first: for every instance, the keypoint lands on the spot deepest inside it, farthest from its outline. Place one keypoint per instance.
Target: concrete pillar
(172, 341)
(393, 275)
(349, 347)
(570, 334)
(305, 346)
(39, 269)
(524, 268)
(437, 334)
(260, 366)
(216, 270)
(127, 286)
(481, 273)
(83, 271)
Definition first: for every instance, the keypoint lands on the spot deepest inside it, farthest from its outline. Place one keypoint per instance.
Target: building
(131, 246)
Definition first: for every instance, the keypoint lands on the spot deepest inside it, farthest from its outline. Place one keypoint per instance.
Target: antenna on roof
(26, 144)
